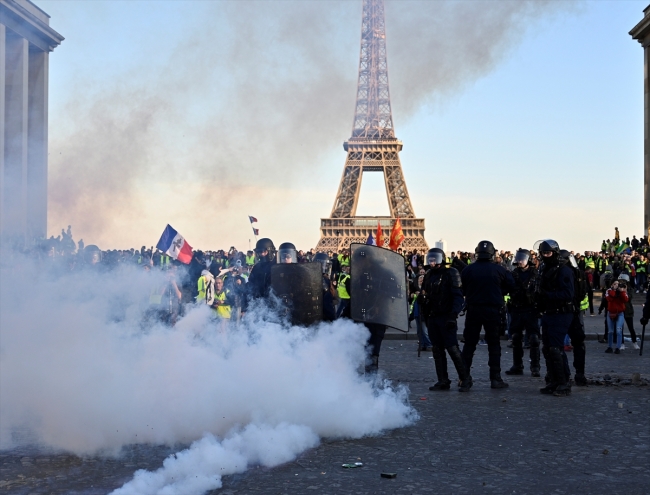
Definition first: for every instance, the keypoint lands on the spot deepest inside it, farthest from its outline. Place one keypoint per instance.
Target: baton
(642, 338)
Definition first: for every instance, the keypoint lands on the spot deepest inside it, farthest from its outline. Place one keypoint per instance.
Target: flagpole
(251, 220)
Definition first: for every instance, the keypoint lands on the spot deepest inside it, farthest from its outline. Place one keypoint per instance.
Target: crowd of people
(440, 287)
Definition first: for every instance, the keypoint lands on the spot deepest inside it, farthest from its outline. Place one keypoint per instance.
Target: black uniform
(521, 307)
(576, 329)
(484, 285)
(259, 283)
(441, 300)
(556, 303)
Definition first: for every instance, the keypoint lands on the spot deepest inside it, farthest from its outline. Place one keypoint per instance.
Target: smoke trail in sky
(262, 110)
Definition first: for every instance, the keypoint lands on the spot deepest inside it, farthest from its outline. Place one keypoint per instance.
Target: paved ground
(487, 441)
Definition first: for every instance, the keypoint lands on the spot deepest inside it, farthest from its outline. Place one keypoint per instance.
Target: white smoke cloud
(79, 372)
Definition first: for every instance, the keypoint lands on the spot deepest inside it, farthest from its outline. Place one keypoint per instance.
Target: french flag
(252, 219)
(175, 245)
(371, 240)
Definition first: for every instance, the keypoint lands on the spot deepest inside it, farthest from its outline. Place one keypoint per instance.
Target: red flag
(396, 235)
(379, 238)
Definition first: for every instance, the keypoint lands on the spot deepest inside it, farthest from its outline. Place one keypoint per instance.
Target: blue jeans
(617, 323)
(343, 305)
(423, 334)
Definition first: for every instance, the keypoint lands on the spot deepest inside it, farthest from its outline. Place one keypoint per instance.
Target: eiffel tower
(373, 147)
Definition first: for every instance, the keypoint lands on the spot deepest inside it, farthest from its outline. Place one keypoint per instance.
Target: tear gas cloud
(262, 110)
(80, 372)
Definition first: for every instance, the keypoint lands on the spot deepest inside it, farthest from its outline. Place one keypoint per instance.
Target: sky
(520, 120)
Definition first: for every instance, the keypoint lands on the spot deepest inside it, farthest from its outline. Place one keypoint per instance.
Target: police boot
(579, 352)
(464, 380)
(496, 381)
(534, 355)
(440, 360)
(373, 366)
(517, 356)
(547, 376)
(563, 388)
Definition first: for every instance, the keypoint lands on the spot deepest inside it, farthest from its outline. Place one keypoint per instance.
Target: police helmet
(547, 245)
(485, 250)
(265, 244)
(522, 256)
(566, 257)
(325, 262)
(287, 253)
(549, 250)
(436, 256)
(92, 255)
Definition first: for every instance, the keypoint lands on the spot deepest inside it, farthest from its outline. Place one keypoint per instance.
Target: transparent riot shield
(378, 291)
(300, 288)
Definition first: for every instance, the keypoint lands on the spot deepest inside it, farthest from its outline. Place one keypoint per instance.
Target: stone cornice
(15, 17)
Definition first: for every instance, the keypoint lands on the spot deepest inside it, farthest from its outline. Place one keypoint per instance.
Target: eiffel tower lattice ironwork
(373, 147)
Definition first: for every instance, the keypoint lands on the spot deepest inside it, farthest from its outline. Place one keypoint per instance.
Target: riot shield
(378, 287)
(300, 288)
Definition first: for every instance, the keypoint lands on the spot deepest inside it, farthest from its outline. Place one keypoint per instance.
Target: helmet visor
(434, 258)
(287, 256)
(572, 261)
(521, 258)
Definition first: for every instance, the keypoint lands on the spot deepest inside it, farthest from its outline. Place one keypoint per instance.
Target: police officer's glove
(644, 321)
(451, 324)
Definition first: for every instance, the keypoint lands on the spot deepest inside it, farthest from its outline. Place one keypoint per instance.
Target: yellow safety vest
(223, 311)
(201, 286)
(584, 304)
(589, 262)
(250, 260)
(340, 286)
(344, 261)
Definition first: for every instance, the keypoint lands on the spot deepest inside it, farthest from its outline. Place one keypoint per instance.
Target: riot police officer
(329, 311)
(555, 296)
(521, 307)
(259, 281)
(484, 285)
(441, 299)
(577, 328)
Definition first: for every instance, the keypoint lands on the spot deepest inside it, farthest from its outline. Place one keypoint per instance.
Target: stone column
(641, 32)
(15, 156)
(646, 140)
(37, 145)
(3, 51)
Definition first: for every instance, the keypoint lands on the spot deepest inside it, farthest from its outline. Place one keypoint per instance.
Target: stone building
(26, 40)
(641, 32)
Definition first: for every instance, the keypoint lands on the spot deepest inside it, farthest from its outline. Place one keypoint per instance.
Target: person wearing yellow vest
(205, 286)
(343, 290)
(250, 258)
(222, 300)
(344, 258)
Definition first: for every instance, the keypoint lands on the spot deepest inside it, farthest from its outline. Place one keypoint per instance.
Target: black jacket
(485, 283)
(557, 289)
(442, 293)
(259, 283)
